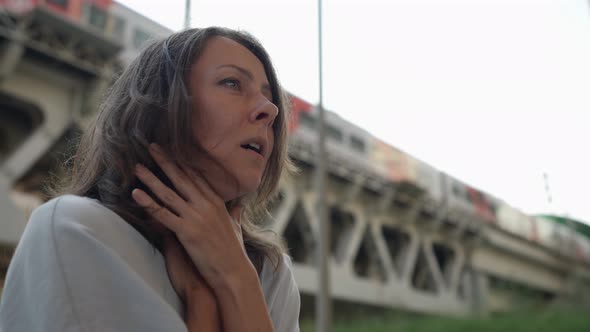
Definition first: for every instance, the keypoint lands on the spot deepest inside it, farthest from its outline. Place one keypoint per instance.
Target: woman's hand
(200, 305)
(209, 233)
(212, 237)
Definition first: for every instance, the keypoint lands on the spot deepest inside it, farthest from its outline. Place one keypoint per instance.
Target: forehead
(220, 51)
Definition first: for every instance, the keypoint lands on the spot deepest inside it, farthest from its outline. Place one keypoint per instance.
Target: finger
(159, 213)
(164, 193)
(236, 219)
(178, 177)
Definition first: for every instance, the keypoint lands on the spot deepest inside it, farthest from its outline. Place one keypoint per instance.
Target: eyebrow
(246, 73)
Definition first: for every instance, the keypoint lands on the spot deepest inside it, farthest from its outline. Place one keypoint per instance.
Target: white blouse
(81, 267)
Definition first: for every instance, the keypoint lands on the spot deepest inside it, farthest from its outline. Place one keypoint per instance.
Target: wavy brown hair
(149, 103)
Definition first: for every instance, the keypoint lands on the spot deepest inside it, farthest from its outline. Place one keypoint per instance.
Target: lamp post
(323, 303)
(187, 14)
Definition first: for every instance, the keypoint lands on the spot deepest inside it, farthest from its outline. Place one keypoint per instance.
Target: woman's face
(232, 117)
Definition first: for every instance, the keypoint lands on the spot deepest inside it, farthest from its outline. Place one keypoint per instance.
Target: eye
(231, 83)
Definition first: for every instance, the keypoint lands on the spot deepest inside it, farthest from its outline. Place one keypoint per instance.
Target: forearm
(202, 313)
(242, 305)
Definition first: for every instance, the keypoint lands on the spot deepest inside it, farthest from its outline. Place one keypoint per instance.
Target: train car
(427, 179)
(299, 112)
(565, 235)
(581, 248)
(484, 205)
(457, 201)
(112, 19)
(92, 12)
(70, 9)
(133, 30)
(555, 236)
(516, 222)
(545, 234)
(350, 148)
(391, 163)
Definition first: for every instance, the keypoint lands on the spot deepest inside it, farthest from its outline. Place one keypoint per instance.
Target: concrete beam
(508, 266)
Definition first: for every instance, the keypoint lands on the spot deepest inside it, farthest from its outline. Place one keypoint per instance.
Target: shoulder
(64, 215)
(73, 216)
(272, 278)
(80, 264)
(281, 294)
(82, 227)
(73, 228)
(72, 211)
(283, 270)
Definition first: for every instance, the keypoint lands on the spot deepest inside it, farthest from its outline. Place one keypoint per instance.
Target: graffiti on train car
(448, 192)
(426, 178)
(482, 206)
(391, 163)
(298, 106)
(74, 10)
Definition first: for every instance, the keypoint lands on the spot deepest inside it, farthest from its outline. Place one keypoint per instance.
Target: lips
(256, 144)
(252, 146)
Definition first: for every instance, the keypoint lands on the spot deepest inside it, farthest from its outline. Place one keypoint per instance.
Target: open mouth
(253, 146)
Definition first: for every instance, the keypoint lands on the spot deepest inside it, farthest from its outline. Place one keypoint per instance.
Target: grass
(551, 321)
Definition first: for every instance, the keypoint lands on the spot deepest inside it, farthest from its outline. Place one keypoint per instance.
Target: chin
(232, 185)
(245, 187)
(248, 188)
(250, 184)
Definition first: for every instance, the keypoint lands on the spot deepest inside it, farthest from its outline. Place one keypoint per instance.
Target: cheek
(208, 128)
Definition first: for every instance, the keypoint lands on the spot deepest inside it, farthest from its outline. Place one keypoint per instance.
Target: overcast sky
(494, 92)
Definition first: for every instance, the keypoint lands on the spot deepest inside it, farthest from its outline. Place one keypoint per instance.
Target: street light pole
(323, 303)
(187, 14)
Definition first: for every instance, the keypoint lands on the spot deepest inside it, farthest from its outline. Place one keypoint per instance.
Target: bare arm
(242, 304)
(201, 313)
(211, 237)
(235, 304)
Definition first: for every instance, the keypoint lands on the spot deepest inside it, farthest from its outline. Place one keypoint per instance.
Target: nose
(264, 111)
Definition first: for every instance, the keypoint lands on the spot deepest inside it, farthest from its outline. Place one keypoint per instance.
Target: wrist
(231, 285)
(241, 302)
(199, 296)
(201, 311)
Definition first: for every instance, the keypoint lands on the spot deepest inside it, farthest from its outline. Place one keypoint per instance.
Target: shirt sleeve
(282, 296)
(65, 276)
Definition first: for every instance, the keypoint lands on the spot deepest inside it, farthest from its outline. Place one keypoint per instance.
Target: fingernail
(139, 169)
(155, 147)
(138, 196)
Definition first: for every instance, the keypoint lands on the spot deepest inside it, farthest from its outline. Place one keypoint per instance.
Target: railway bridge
(393, 244)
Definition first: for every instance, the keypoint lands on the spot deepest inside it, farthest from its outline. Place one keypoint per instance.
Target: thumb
(236, 213)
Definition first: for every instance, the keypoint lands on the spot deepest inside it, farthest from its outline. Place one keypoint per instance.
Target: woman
(184, 155)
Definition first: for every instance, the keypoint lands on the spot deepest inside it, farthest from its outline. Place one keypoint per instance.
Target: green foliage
(550, 321)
